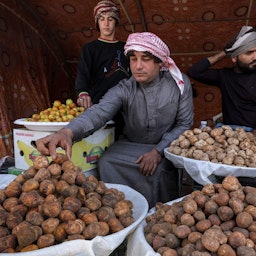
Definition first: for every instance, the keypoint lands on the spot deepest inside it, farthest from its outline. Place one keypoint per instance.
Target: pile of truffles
(218, 220)
(219, 145)
(55, 202)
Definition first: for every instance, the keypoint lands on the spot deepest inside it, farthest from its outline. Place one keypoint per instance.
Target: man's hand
(148, 162)
(47, 145)
(84, 101)
(217, 57)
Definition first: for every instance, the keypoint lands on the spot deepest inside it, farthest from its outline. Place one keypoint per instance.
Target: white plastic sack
(137, 244)
(99, 246)
(5, 179)
(202, 171)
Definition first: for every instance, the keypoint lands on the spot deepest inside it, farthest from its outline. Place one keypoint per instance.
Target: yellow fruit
(52, 117)
(65, 119)
(59, 112)
(62, 112)
(52, 112)
(57, 103)
(72, 112)
(36, 117)
(45, 120)
(69, 101)
(72, 105)
(59, 119)
(70, 117)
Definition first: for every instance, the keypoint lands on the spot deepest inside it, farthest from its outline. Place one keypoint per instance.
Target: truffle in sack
(66, 215)
(29, 248)
(34, 218)
(71, 203)
(88, 218)
(60, 158)
(231, 183)
(21, 209)
(51, 208)
(105, 213)
(80, 178)
(69, 176)
(31, 199)
(40, 162)
(96, 229)
(46, 187)
(42, 174)
(13, 189)
(73, 227)
(13, 219)
(27, 174)
(4, 231)
(9, 203)
(126, 220)
(115, 225)
(29, 185)
(45, 240)
(68, 166)
(60, 233)
(123, 207)
(49, 225)
(7, 242)
(93, 203)
(54, 169)
(2, 195)
(27, 235)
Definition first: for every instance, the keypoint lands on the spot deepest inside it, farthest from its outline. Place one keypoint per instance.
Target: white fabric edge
(201, 171)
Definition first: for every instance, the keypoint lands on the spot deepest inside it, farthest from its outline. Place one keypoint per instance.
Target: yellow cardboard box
(85, 153)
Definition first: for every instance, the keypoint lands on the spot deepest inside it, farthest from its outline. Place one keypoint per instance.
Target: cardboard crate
(85, 153)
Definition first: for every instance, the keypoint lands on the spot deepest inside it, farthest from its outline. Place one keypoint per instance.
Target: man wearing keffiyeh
(237, 84)
(157, 106)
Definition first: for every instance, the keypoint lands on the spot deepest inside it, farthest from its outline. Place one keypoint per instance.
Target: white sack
(202, 171)
(99, 246)
(5, 179)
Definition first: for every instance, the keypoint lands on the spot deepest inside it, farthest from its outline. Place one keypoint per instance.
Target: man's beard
(242, 67)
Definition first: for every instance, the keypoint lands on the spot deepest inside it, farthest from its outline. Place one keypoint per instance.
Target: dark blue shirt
(238, 92)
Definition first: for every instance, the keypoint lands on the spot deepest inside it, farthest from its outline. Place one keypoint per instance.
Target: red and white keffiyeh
(149, 42)
(106, 6)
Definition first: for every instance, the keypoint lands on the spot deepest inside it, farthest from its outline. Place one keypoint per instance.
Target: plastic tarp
(137, 244)
(99, 246)
(203, 172)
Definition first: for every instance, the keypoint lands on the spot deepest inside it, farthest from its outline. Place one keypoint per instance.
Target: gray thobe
(155, 114)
